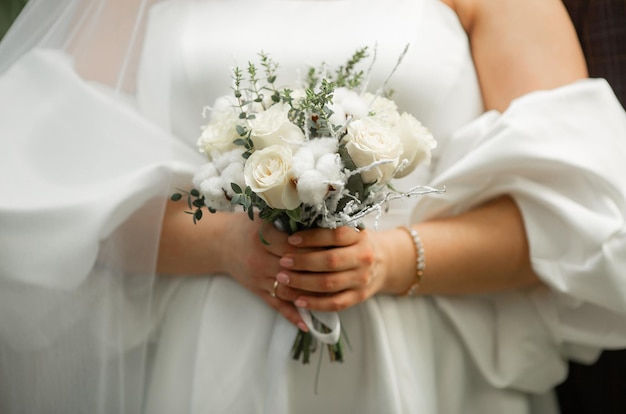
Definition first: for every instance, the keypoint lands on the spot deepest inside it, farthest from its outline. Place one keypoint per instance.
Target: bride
(113, 301)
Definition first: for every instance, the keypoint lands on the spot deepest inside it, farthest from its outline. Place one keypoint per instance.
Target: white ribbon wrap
(330, 319)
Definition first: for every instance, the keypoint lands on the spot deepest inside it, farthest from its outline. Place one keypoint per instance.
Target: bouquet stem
(305, 344)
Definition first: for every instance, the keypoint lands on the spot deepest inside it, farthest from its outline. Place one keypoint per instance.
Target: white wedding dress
(84, 327)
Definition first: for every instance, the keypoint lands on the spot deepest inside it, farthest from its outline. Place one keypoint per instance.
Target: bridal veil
(84, 183)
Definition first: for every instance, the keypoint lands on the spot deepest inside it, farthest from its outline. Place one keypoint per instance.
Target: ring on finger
(274, 287)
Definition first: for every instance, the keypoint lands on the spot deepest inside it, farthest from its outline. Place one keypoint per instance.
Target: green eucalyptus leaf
(241, 130)
(197, 215)
(236, 188)
(265, 242)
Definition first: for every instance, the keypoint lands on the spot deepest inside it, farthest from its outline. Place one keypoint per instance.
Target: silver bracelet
(420, 261)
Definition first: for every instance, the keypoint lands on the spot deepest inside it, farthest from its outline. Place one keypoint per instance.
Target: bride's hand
(332, 270)
(254, 263)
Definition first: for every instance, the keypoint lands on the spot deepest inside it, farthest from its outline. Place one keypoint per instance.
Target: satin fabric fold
(572, 200)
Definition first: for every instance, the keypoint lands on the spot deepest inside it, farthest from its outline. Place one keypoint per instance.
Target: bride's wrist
(401, 261)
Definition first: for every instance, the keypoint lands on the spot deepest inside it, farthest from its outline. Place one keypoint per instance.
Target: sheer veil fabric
(96, 132)
(80, 225)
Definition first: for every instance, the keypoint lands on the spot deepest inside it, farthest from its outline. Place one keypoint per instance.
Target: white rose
(223, 104)
(272, 127)
(219, 134)
(417, 143)
(268, 172)
(384, 110)
(370, 142)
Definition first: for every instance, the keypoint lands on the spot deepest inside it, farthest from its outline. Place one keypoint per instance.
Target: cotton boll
(331, 166)
(233, 174)
(346, 103)
(205, 172)
(312, 187)
(214, 196)
(355, 107)
(308, 155)
(338, 117)
(223, 160)
(322, 146)
(303, 160)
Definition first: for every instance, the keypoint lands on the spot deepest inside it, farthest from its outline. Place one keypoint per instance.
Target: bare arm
(520, 46)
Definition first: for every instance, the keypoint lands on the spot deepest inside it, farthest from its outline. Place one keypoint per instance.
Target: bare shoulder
(522, 12)
(520, 46)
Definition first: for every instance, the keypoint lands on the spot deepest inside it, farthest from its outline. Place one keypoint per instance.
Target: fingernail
(286, 261)
(302, 326)
(295, 239)
(283, 278)
(301, 303)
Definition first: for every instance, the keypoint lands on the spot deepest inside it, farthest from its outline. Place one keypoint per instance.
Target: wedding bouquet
(319, 154)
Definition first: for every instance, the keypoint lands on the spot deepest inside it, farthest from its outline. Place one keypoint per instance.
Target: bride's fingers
(329, 260)
(333, 303)
(341, 236)
(275, 241)
(284, 292)
(285, 307)
(324, 283)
